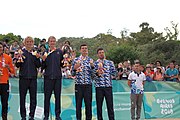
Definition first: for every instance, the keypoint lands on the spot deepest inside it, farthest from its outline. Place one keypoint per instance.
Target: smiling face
(29, 42)
(84, 50)
(171, 65)
(52, 42)
(101, 54)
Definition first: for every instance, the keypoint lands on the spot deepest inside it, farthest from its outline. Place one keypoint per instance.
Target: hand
(100, 72)
(120, 73)
(20, 60)
(92, 63)
(172, 77)
(77, 65)
(7, 66)
(37, 55)
(44, 57)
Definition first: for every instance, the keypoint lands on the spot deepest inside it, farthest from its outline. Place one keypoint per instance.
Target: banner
(162, 105)
(162, 101)
(118, 86)
(14, 107)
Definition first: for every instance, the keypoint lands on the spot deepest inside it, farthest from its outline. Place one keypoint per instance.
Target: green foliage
(147, 45)
(172, 35)
(146, 35)
(165, 51)
(9, 38)
(37, 41)
(121, 53)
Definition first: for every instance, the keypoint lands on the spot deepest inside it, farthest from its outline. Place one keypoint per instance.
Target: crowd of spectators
(153, 71)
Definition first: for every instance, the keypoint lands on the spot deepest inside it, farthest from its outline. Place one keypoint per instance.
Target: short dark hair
(43, 40)
(159, 62)
(2, 44)
(82, 45)
(173, 61)
(42, 45)
(67, 42)
(99, 49)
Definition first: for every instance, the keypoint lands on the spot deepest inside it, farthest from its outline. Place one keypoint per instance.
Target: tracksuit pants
(26, 84)
(4, 94)
(101, 93)
(51, 85)
(83, 92)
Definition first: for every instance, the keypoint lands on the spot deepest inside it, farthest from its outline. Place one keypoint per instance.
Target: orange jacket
(4, 77)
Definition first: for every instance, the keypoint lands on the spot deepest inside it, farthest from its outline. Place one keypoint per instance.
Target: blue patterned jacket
(104, 80)
(85, 72)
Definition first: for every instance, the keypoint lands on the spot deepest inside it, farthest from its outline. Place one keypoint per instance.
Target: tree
(124, 33)
(172, 34)
(121, 53)
(10, 38)
(146, 34)
(37, 41)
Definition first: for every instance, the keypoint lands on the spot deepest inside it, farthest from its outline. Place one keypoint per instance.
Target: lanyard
(2, 62)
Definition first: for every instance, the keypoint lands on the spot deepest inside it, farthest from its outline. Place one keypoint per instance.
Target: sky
(84, 18)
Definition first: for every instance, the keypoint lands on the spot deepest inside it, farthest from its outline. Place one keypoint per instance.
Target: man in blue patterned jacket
(104, 70)
(82, 69)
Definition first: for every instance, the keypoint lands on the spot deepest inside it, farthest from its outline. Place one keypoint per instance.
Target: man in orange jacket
(6, 67)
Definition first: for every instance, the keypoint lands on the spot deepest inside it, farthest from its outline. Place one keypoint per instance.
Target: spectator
(73, 54)
(136, 61)
(67, 49)
(5, 42)
(171, 73)
(126, 70)
(15, 58)
(149, 73)
(152, 66)
(7, 51)
(120, 71)
(133, 68)
(177, 67)
(158, 75)
(21, 45)
(129, 65)
(43, 42)
(14, 47)
(42, 49)
(142, 68)
(159, 65)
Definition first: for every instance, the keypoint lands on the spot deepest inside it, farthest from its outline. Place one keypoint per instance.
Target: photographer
(126, 70)
(67, 49)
